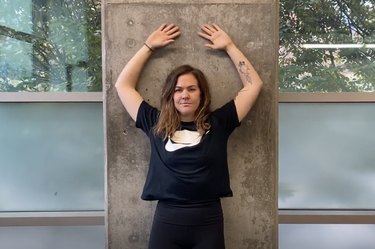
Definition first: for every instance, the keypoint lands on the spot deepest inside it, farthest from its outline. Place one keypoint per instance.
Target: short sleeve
(227, 116)
(146, 117)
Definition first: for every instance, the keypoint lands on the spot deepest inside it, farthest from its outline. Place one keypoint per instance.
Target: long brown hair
(169, 119)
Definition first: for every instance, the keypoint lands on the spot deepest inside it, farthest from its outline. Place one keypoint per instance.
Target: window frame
(84, 218)
(52, 218)
(22, 97)
(332, 97)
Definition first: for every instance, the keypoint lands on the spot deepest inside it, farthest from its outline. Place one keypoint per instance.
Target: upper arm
(246, 98)
(130, 98)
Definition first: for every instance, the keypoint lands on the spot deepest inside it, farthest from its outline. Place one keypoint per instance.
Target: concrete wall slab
(251, 215)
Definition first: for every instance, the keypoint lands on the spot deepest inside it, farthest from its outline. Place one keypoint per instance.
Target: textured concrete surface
(251, 215)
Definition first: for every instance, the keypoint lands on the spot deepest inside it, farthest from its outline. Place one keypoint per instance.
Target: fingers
(171, 30)
(166, 34)
(213, 33)
(168, 27)
(163, 36)
(210, 29)
(207, 30)
(175, 31)
(217, 27)
(162, 27)
(204, 35)
(167, 42)
(209, 46)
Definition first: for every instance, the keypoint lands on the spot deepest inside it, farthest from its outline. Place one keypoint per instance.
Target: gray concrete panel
(251, 215)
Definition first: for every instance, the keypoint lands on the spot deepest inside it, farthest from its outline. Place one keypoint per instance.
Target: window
(50, 46)
(51, 157)
(327, 46)
(343, 236)
(57, 237)
(51, 153)
(326, 115)
(326, 156)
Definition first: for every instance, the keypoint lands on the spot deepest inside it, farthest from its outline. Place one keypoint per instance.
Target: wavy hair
(169, 119)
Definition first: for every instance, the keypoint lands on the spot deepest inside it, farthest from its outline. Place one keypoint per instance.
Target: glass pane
(15, 67)
(51, 157)
(326, 236)
(50, 46)
(326, 156)
(16, 14)
(74, 237)
(327, 46)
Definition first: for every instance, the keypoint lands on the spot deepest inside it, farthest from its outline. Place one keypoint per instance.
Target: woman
(188, 171)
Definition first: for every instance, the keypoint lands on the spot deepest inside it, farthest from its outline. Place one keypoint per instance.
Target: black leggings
(188, 226)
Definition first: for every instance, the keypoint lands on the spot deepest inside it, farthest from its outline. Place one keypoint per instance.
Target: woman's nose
(185, 94)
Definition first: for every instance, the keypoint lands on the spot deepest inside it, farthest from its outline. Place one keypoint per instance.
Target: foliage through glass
(50, 46)
(343, 59)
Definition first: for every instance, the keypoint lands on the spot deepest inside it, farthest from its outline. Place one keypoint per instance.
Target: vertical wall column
(251, 215)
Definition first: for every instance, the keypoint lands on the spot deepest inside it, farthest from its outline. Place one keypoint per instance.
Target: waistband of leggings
(187, 204)
(191, 213)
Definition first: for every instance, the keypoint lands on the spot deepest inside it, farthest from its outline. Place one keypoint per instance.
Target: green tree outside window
(344, 61)
(50, 46)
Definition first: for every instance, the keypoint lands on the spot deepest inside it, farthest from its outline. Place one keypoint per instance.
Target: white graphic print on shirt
(182, 139)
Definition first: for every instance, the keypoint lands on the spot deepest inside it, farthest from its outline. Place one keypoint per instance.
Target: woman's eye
(178, 90)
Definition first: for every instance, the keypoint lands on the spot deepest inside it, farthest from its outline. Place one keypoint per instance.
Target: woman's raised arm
(251, 81)
(129, 76)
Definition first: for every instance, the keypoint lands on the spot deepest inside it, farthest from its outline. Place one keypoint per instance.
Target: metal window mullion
(89, 218)
(51, 97)
(326, 217)
(347, 97)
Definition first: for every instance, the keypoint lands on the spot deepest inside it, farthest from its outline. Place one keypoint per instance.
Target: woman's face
(186, 97)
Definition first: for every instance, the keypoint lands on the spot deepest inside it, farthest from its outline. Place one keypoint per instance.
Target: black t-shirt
(188, 166)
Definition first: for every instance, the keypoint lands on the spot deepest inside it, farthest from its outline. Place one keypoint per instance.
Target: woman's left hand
(219, 39)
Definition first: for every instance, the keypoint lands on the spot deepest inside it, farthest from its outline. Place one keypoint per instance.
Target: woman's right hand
(163, 36)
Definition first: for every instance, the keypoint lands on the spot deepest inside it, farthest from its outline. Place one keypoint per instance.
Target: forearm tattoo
(244, 69)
